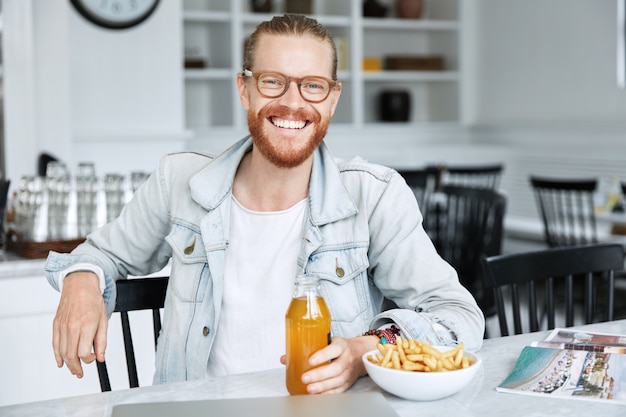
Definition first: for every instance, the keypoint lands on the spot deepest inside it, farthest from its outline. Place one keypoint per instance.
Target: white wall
(543, 61)
(82, 92)
(543, 85)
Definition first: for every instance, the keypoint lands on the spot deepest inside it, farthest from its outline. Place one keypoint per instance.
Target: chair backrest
(566, 207)
(566, 272)
(480, 176)
(422, 181)
(466, 225)
(132, 295)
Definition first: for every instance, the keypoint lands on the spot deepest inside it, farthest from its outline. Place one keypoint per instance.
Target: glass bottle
(86, 198)
(307, 325)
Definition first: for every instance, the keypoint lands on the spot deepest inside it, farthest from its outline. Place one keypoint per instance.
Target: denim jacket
(361, 217)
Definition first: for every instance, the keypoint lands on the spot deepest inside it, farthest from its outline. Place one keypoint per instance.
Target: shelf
(215, 31)
(327, 20)
(421, 76)
(209, 74)
(206, 16)
(404, 24)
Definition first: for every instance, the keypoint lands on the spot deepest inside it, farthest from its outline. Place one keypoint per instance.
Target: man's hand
(341, 364)
(80, 326)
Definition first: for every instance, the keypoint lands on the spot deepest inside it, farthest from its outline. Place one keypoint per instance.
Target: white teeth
(288, 124)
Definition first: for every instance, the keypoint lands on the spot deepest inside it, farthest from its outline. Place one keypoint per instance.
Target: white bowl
(422, 386)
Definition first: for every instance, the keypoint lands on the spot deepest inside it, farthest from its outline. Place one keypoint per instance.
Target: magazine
(584, 370)
(580, 340)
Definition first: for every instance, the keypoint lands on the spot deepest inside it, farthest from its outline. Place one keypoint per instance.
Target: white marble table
(478, 399)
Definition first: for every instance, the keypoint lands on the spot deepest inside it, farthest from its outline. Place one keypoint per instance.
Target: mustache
(286, 113)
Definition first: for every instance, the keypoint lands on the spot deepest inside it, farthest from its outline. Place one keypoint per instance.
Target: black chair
(132, 295)
(422, 181)
(567, 211)
(517, 277)
(466, 226)
(479, 176)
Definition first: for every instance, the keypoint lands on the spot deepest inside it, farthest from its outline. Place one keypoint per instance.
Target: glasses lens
(272, 85)
(314, 89)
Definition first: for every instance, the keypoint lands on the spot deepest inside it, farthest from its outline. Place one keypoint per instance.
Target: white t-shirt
(259, 275)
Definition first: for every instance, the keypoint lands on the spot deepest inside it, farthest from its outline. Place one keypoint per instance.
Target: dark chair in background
(422, 181)
(132, 295)
(463, 214)
(478, 176)
(566, 207)
(518, 278)
(465, 227)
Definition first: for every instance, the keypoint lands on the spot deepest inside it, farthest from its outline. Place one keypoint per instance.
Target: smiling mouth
(288, 124)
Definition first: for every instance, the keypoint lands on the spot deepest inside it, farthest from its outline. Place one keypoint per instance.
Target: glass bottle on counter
(307, 325)
(86, 198)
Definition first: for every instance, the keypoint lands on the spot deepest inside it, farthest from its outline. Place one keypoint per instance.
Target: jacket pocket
(189, 264)
(343, 283)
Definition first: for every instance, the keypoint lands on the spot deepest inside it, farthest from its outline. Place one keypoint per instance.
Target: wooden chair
(467, 226)
(132, 295)
(566, 207)
(517, 277)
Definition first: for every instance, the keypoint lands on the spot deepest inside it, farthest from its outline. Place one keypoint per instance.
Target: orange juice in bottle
(307, 325)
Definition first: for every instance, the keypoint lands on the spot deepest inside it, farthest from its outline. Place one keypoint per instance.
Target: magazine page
(567, 373)
(581, 340)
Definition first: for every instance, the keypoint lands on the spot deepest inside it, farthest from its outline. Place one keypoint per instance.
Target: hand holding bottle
(307, 324)
(336, 367)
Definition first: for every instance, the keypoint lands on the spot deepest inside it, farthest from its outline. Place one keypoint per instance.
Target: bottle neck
(307, 287)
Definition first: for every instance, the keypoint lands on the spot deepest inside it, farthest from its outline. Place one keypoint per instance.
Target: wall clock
(115, 14)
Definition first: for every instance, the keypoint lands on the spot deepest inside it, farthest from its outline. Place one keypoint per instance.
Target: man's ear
(242, 88)
(334, 96)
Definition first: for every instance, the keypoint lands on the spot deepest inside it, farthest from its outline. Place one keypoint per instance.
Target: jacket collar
(328, 199)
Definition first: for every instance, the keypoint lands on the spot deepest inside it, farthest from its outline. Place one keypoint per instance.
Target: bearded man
(237, 229)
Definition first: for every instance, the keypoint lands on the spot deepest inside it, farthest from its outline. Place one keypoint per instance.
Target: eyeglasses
(313, 89)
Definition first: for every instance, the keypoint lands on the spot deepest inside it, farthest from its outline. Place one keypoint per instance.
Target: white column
(18, 78)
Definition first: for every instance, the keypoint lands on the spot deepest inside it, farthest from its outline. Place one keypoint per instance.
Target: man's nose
(292, 97)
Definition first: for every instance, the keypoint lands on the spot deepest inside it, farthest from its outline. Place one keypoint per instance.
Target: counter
(27, 308)
(13, 266)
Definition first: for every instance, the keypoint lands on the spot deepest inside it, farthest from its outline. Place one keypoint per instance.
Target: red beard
(282, 153)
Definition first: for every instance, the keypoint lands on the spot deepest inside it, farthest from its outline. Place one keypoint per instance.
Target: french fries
(417, 356)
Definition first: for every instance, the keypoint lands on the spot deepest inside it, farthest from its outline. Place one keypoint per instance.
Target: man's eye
(271, 83)
(314, 86)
